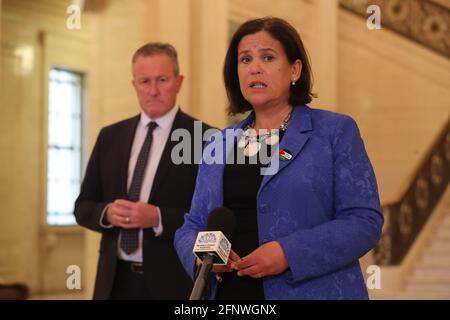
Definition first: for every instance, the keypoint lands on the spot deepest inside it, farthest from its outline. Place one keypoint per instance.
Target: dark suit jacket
(173, 186)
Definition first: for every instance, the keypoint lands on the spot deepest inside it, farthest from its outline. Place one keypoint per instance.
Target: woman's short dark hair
(292, 44)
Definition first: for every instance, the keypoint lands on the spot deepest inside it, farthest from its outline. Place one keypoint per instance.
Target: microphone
(213, 247)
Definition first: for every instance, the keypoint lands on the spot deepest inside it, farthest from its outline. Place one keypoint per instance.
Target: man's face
(156, 84)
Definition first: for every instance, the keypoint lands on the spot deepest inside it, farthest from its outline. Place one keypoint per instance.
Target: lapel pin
(285, 154)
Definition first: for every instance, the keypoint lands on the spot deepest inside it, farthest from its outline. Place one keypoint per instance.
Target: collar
(165, 122)
(300, 119)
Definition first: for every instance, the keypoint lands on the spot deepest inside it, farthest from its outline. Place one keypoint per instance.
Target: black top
(241, 183)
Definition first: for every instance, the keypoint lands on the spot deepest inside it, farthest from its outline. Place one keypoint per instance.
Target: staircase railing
(423, 21)
(405, 217)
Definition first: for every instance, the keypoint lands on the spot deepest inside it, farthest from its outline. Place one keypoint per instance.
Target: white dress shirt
(160, 135)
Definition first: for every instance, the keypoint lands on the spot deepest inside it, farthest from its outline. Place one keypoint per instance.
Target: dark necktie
(129, 241)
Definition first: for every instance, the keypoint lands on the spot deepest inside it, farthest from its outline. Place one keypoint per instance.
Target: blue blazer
(322, 206)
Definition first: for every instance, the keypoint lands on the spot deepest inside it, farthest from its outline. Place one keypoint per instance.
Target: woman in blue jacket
(303, 218)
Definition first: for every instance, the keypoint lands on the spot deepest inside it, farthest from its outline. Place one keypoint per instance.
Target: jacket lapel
(126, 144)
(294, 139)
(165, 162)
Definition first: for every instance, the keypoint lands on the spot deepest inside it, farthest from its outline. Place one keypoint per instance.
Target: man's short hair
(153, 48)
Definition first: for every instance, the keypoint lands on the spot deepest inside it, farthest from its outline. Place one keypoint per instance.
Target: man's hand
(268, 259)
(132, 215)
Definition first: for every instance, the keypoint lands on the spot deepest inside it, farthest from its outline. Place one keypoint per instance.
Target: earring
(293, 82)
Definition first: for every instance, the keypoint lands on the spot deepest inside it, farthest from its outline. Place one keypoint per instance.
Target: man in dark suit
(134, 193)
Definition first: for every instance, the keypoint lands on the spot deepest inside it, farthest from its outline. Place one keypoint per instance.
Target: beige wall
(399, 93)
(0, 40)
(195, 28)
(34, 38)
(209, 43)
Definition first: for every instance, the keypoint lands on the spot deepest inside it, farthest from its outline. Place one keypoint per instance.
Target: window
(64, 145)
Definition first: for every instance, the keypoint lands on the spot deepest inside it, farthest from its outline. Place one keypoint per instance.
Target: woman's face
(264, 71)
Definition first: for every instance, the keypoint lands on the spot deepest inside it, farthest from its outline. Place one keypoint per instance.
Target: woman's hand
(219, 269)
(268, 259)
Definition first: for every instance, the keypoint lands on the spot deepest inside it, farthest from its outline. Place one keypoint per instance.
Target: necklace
(251, 142)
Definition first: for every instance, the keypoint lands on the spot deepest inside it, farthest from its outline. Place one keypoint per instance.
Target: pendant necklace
(251, 142)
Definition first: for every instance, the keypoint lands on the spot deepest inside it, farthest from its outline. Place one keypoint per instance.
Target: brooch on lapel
(285, 155)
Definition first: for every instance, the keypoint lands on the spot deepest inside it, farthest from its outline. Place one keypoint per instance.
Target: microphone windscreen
(222, 219)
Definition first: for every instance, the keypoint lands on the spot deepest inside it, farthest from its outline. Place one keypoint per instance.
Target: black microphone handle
(202, 278)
